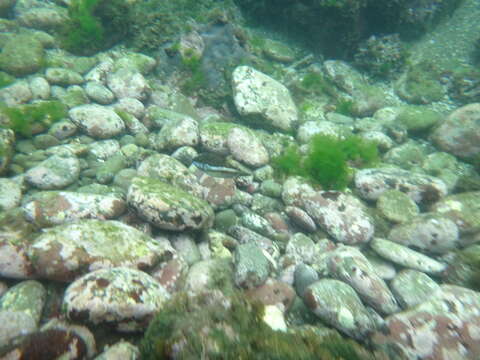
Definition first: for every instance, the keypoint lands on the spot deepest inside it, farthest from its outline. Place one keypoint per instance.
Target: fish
(217, 166)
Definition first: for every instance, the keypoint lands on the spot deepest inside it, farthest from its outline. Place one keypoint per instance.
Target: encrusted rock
(56, 172)
(463, 209)
(252, 266)
(128, 82)
(430, 232)
(338, 304)
(412, 287)
(122, 297)
(97, 121)
(397, 206)
(341, 215)
(167, 206)
(348, 264)
(245, 146)
(177, 133)
(263, 100)
(10, 194)
(459, 134)
(67, 251)
(407, 257)
(50, 208)
(424, 189)
(443, 327)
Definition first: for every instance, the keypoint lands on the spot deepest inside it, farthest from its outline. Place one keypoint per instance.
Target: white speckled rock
(431, 232)
(128, 82)
(125, 298)
(246, 147)
(445, 326)
(338, 304)
(48, 208)
(177, 133)
(263, 100)
(56, 172)
(10, 194)
(421, 188)
(168, 207)
(341, 215)
(407, 257)
(348, 264)
(67, 251)
(97, 121)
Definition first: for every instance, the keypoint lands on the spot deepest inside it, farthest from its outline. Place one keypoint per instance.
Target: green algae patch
(328, 160)
(213, 326)
(33, 118)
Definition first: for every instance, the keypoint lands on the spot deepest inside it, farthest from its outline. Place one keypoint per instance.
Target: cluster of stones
(108, 204)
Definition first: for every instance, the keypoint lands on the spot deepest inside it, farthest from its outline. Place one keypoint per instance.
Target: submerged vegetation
(95, 25)
(328, 159)
(26, 119)
(217, 327)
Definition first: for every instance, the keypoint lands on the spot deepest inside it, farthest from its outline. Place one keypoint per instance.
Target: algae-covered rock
(21, 55)
(459, 134)
(56, 172)
(168, 207)
(217, 326)
(396, 206)
(417, 118)
(420, 84)
(66, 251)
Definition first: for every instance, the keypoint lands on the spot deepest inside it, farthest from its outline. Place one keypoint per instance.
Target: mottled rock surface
(121, 297)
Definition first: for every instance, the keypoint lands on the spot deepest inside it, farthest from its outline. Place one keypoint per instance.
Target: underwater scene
(240, 179)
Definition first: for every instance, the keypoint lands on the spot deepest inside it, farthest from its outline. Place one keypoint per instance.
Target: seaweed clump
(95, 25)
(328, 159)
(33, 118)
(213, 326)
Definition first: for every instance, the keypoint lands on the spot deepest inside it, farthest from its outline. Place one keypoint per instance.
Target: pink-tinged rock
(124, 298)
(15, 240)
(170, 273)
(273, 292)
(218, 192)
(348, 264)
(49, 208)
(341, 215)
(67, 251)
(445, 327)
